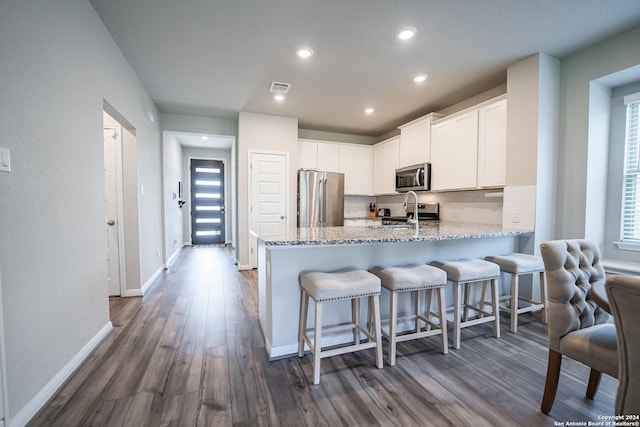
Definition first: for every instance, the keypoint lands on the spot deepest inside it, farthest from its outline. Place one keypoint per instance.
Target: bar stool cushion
(468, 270)
(339, 285)
(411, 277)
(518, 263)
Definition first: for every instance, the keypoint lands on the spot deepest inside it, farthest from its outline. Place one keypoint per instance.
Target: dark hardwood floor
(190, 352)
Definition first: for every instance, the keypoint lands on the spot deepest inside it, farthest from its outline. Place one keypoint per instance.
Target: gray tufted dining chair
(578, 327)
(624, 299)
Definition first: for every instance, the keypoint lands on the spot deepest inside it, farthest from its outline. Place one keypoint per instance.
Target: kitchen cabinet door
(415, 141)
(454, 153)
(356, 165)
(442, 140)
(465, 165)
(492, 144)
(328, 157)
(308, 151)
(385, 163)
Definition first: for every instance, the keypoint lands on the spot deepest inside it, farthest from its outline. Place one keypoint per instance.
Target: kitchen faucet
(413, 220)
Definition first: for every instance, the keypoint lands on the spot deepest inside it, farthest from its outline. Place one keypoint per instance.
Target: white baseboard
(173, 256)
(132, 293)
(244, 267)
(24, 415)
(152, 279)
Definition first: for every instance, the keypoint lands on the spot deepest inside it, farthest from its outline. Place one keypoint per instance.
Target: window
(631, 183)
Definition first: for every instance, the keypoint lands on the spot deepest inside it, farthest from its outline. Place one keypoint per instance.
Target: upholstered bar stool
(462, 274)
(517, 265)
(416, 278)
(328, 287)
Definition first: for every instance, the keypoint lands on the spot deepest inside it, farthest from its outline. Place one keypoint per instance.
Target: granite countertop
(435, 230)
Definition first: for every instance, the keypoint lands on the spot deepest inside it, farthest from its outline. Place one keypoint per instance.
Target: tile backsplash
(479, 206)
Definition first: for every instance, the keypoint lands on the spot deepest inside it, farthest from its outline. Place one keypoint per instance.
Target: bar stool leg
(304, 310)
(317, 339)
(465, 315)
(393, 321)
(376, 330)
(355, 319)
(514, 302)
(496, 309)
(430, 302)
(442, 311)
(417, 308)
(543, 298)
(483, 297)
(457, 302)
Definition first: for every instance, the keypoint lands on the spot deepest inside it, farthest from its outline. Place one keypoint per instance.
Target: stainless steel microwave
(416, 178)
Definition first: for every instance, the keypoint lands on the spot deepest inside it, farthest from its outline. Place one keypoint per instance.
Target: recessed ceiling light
(420, 78)
(304, 52)
(204, 137)
(369, 110)
(279, 97)
(406, 33)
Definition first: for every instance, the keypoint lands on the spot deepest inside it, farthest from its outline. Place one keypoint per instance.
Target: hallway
(191, 353)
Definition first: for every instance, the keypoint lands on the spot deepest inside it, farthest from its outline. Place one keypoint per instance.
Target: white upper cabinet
(385, 163)
(329, 157)
(319, 155)
(492, 144)
(454, 152)
(308, 154)
(415, 141)
(356, 165)
(468, 149)
(355, 161)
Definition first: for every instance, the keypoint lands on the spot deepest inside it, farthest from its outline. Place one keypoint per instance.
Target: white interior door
(113, 197)
(268, 202)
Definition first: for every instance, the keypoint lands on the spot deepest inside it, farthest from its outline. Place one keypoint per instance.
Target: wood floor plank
(190, 352)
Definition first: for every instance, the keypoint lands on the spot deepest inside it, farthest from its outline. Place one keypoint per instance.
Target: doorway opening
(207, 201)
(121, 222)
(113, 199)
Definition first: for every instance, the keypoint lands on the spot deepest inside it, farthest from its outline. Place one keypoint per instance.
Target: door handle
(111, 222)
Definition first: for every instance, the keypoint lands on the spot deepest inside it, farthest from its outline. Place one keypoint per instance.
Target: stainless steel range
(426, 212)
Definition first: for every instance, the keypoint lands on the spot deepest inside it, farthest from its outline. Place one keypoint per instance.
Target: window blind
(631, 190)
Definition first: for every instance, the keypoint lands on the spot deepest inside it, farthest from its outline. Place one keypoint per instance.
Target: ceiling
(217, 58)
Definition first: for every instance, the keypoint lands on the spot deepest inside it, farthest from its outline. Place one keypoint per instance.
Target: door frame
(119, 205)
(253, 241)
(225, 189)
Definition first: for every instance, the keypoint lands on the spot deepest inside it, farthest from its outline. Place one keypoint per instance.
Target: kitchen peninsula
(282, 257)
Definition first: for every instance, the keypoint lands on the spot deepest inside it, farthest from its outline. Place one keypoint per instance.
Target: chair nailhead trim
(346, 297)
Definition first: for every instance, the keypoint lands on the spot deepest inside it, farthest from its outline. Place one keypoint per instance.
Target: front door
(207, 202)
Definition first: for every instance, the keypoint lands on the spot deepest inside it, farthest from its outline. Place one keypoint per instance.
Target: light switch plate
(5, 160)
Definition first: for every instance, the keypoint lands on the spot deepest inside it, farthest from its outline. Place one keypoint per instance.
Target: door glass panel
(207, 202)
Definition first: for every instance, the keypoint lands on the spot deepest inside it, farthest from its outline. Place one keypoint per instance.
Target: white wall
(173, 214)
(270, 133)
(58, 64)
(578, 154)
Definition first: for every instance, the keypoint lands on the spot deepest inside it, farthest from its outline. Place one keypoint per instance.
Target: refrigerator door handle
(321, 205)
(324, 202)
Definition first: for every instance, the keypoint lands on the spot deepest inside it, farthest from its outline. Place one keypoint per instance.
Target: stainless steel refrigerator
(320, 199)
